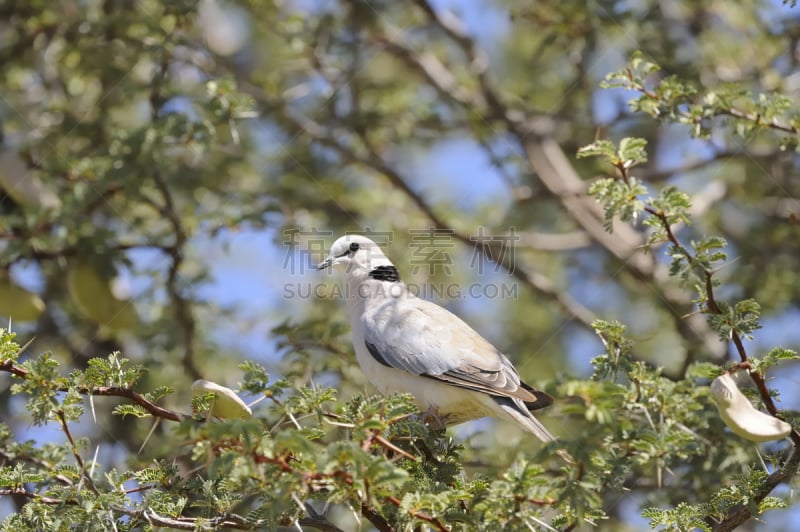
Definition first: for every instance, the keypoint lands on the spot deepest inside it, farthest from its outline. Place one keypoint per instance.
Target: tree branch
(20, 492)
(713, 307)
(108, 391)
(741, 513)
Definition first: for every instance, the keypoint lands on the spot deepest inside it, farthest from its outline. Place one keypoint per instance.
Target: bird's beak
(324, 265)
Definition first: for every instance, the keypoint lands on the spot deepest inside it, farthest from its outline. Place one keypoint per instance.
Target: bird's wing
(425, 339)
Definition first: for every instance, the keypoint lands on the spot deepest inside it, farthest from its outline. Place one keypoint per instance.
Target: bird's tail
(516, 410)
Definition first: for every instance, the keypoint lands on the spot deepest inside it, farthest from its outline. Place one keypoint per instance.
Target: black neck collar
(385, 273)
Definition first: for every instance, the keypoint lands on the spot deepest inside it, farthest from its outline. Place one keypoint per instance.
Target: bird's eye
(353, 247)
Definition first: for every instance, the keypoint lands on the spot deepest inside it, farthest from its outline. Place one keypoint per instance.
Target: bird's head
(355, 254)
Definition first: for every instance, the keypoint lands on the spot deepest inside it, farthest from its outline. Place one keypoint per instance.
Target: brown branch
(9, 367)
(420, 515)
(642, 88)
(139, 399)
(107, 391)
(139, 489)
(392, 447)
(375, 518)
(713, 307)
(741, 513)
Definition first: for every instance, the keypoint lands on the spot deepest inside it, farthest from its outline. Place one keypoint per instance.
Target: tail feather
(516, 410)
(542, 399)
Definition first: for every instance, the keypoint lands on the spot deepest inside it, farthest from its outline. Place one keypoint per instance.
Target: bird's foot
(432, 418)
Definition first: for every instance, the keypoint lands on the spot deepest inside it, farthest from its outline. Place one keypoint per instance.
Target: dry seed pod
(741, 416)
(226, 405)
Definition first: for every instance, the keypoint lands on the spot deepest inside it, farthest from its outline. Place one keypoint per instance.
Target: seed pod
(226, 404)
(741, 416)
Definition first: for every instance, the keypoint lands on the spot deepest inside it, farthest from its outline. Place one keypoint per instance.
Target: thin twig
(65, 427)
(344, 476)
(420, 515)
(742, 512)
(183, 311)
(713, 307)
(20, 492)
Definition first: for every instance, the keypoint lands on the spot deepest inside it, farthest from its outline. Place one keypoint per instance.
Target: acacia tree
(137, 135)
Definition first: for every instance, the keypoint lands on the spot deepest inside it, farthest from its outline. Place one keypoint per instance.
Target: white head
(355, 255)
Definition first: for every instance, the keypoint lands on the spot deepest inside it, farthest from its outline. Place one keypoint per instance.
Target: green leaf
(703, 370)
(9, 349)
(673, 204)
(632, 152)
(130, 410)
(619, 198)
(599, 148)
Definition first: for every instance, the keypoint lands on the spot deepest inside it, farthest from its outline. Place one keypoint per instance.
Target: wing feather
(427, 340)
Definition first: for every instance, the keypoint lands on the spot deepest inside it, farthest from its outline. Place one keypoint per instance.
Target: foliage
(140, 140)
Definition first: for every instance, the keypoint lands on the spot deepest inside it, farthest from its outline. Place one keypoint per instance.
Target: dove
(407, 344)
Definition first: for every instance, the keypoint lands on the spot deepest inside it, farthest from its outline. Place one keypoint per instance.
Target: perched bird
(407, 344)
